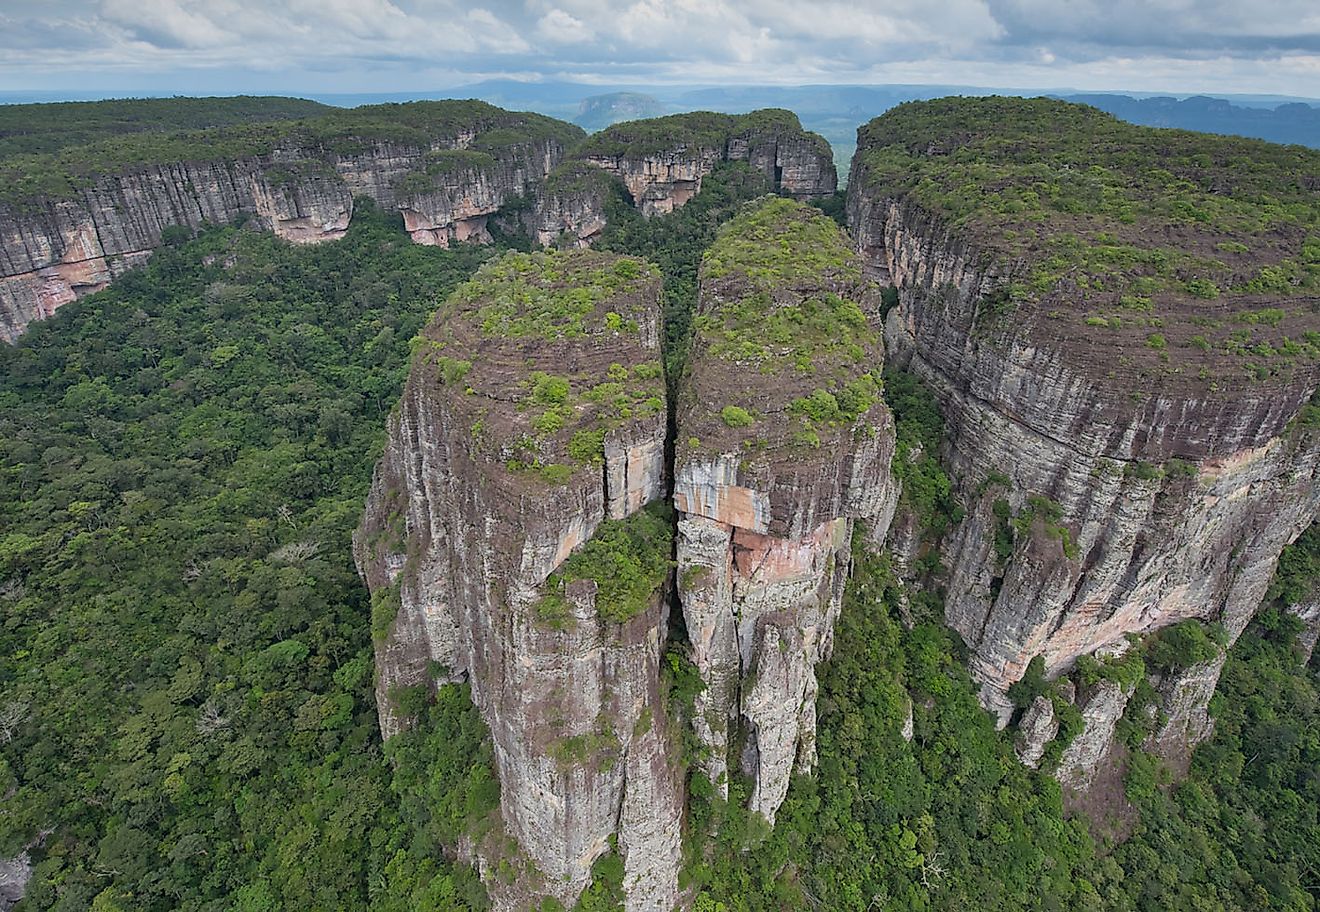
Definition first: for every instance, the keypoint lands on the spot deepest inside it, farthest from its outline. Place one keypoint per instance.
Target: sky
(327, 46)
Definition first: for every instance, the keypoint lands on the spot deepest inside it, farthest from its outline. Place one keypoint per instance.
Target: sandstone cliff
(505, 542)
(1121, 406)
(782, 444)
(662, 161)
(70, 222)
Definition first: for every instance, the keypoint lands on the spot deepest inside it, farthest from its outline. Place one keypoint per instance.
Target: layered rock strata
(528, 442)
(663, 161)
(1140, 478)
(297, 179)
(782, 444)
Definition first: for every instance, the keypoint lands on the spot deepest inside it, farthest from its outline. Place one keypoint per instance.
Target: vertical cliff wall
(662, 161)
(1119, 380)
(507, 540)
(782, 444)
(74, 220)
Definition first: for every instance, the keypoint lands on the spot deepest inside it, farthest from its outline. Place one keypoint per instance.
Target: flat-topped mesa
(505, 541)
(782, 443)
(570, 208)
(1120, 326)
(74, 219)
(662, 161)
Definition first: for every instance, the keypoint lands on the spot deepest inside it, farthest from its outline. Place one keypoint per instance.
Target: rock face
(14, 876)
(1308, 612)
(296, 180)
(662, 161)
(1038, 728)
(782, 445)
(571, 206)
(1102, 705)
(529, 438)
(1143, 478)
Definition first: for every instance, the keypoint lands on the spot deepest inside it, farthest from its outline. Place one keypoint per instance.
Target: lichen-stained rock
(1183, 702)
(505, 541)
(1124, 400)
(1038, 728)
(570, 208)
(1102, 705)
(1308, 612)
(783, 442)
(72, 221)
(662, 161)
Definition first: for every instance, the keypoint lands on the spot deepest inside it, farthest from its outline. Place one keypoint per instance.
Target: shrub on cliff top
(628, 559)
(554, 294)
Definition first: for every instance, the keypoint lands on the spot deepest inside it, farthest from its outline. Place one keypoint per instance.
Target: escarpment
(74, 220)
(782, 445)
(513, 539)
(662, 161)
(1123, 356)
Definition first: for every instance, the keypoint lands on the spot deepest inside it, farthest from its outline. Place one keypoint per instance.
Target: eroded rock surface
(782, 445)
(296, 179)
(1038, 728)
(1308, 612)
(662, 161)
(1142, 477)
(531, 432)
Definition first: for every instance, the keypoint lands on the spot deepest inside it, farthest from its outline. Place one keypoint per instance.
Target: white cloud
(1160, 45)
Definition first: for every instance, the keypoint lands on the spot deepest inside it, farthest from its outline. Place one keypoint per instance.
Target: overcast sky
(226, 46)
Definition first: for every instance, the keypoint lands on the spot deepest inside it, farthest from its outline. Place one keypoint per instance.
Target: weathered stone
(572, 699)
(14, 876)
(1183, 700)
(1039, 726)
(1308, 612)
(1072, 435)
(1102, 706)
(663, 169)
(765, 524)
(53, 251)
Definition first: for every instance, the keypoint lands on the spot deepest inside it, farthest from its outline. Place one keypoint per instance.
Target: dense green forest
(29, 128)
(59, 173)
(185, 661)
(185, 658)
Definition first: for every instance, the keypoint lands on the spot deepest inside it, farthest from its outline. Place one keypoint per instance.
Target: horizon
(355, 47)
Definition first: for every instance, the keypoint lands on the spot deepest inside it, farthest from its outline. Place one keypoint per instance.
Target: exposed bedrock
(54, 250)
(1135, 491)
(1308, 612)
(479, 524)
(663, 161)
(767, 494)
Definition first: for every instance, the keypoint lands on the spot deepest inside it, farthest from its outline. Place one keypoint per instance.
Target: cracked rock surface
(465, 526)
(766, 497)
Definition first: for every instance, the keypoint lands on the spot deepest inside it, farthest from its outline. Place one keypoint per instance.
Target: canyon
(451, 169)
(582, 499)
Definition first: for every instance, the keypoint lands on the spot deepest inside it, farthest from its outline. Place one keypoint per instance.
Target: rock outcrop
(507, 541)
(1102, 705)
(1308, 612)
(297, 179)
(782, 444)
(14, 876)
(662, 161)
(1039, 726)
(1141, 477)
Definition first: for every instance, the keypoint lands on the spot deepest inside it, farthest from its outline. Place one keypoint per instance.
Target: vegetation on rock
(1179, 240)
(185, 658)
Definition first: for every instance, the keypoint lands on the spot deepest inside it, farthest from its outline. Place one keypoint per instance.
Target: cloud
(353, 45)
